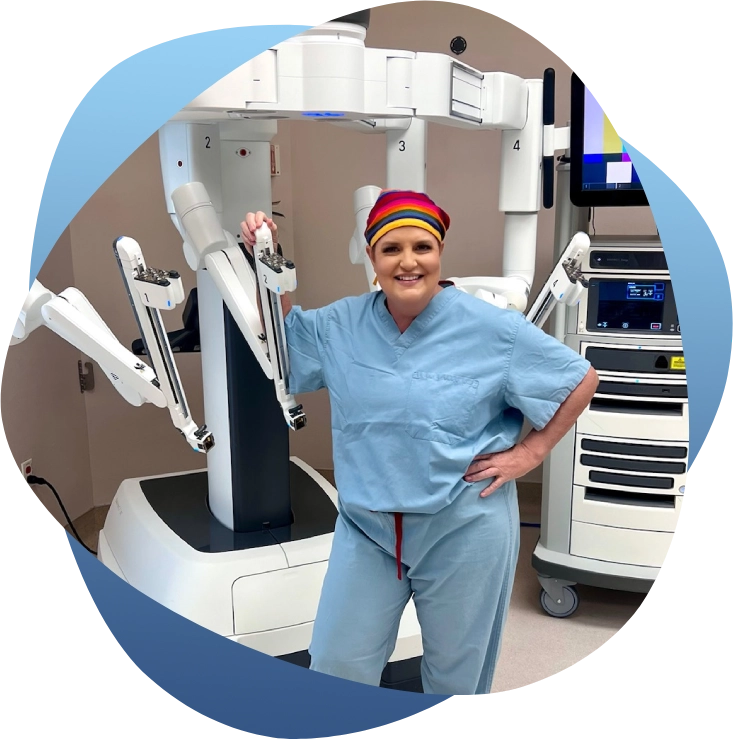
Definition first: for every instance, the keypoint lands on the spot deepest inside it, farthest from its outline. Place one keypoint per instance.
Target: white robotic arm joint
(198, 222)
(275, 271)
(72, 317)
(275, 277)
(566, 282)
(160, 289)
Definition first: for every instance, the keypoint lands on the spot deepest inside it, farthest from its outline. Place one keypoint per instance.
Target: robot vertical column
(249, 472)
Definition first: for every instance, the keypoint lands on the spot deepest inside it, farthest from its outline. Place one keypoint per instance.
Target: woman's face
(407, 264)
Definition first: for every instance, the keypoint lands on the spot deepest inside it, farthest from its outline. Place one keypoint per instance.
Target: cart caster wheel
(559, 610)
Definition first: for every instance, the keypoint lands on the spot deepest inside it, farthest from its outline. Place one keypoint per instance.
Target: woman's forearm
(286, 304)
(540, 443)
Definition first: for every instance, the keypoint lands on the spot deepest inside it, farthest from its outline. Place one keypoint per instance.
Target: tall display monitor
(601, 171)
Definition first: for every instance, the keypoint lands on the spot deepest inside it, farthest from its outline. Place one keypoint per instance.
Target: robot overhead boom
(328, 74)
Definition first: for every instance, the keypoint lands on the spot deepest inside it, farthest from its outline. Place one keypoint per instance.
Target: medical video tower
(613, 487)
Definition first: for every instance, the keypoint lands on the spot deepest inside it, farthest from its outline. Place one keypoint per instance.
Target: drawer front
(275, 600)
(625, 546)
(626, 509)
(659, 421)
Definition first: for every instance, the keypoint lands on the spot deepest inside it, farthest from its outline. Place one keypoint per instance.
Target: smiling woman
(429, 387)
(407, 268)
(405, 233)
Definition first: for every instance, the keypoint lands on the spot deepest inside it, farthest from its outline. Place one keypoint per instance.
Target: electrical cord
(34, 480)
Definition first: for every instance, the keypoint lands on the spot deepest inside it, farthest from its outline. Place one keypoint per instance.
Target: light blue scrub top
(410, 411)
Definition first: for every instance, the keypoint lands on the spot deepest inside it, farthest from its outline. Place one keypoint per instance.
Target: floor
(535, 645)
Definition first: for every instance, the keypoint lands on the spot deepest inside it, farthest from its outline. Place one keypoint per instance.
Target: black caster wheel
(560, 610)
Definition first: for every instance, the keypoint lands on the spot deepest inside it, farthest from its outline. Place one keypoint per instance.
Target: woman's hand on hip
(502, 466)
(251, 222)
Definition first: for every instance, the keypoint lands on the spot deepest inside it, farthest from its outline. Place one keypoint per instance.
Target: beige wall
(321, 167)
(43, 411)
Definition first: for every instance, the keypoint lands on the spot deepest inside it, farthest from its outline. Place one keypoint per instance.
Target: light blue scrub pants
(459, 566)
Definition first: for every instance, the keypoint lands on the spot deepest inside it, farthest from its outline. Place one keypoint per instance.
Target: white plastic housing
(152, 294)
(407, 156)
(327, 73)
(30, 317)
(78, 300)
(264, 598)
(97, 342)
(198, 219)
(190, 153)
(521, 158)
(364, 199)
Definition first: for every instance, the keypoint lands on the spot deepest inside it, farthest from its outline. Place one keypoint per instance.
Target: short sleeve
(305, 333)
(541, 373)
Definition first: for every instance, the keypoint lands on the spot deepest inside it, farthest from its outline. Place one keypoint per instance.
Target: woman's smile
(408, 280)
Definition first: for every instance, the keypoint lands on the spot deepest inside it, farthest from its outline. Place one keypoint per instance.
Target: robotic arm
(73, 318)
(276, 276)
(565, 283)
(150, 291)
(207, 245)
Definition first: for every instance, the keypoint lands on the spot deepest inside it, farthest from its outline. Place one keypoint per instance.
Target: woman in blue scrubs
(429, 387)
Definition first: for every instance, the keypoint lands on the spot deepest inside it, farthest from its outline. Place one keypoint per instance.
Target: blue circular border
(225, 681)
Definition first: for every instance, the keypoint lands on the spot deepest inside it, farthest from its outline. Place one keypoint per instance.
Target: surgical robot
(241, 547)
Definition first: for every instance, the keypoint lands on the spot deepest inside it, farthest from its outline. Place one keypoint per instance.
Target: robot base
(559, 572)
(259, 589)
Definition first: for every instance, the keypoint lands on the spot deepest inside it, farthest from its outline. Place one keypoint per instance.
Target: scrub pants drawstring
(398, 543)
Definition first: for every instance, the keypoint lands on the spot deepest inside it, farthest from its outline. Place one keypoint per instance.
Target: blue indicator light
(169, 303)
(322, 114)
